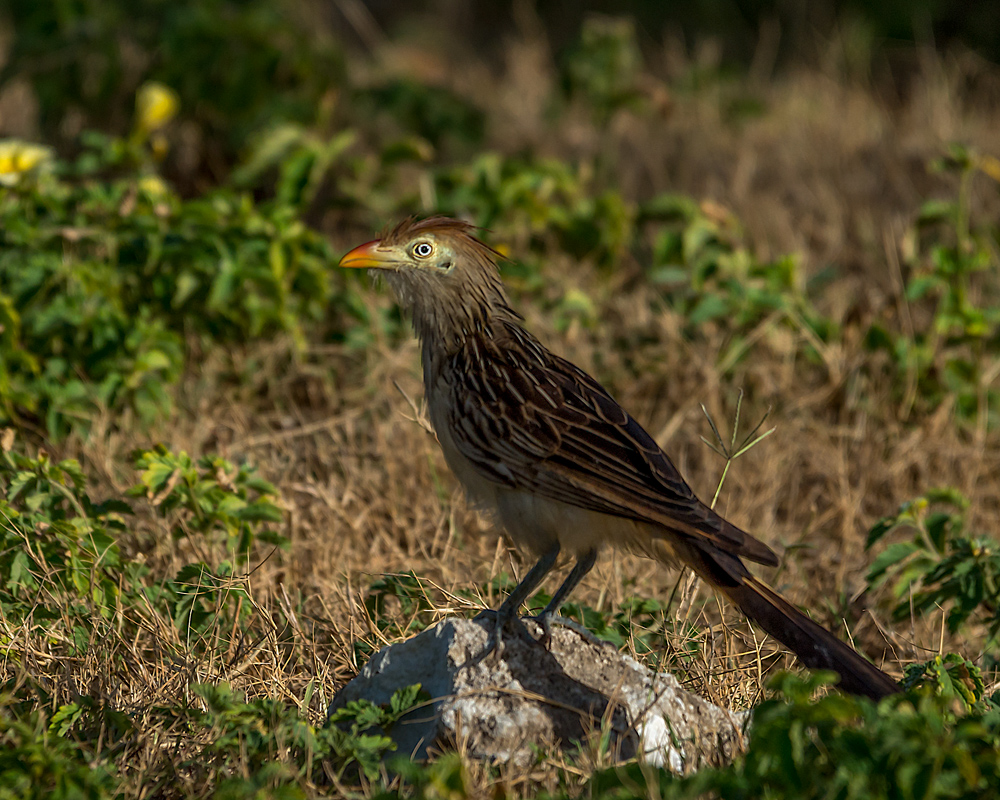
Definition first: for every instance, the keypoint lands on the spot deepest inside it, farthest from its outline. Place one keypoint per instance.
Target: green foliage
(235, 64)
(955, 300)
(941, 565)
(603, 66)
(709, 275)
(38, 761)
(954, 255)
(124, 272)
(436, 115)
(445, 777)
(209, 496)
(101, 282)
(208, 499)
(265, 746)
(259, 744)
(205, 604)
(61, 558)
(256, 747)
(399, 606)
(841, 747)
(87, 719)
(951, 676)
(358, 730)
(56, 542)
(301, 159)
(546, 199)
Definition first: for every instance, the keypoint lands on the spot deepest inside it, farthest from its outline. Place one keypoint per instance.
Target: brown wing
(531, 420)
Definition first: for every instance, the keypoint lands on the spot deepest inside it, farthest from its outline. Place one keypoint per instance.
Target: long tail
(814, 645)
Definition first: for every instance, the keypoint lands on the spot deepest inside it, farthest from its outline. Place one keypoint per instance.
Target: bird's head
(430, 246)
(441, 273)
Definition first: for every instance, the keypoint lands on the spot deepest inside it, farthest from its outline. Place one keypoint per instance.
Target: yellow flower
(155, 106)
(153, 186)
(18, 158)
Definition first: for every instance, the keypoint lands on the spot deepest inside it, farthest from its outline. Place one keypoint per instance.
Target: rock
(502, 709)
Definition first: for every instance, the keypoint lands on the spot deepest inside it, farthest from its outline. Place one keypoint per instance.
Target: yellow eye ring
(422, 249)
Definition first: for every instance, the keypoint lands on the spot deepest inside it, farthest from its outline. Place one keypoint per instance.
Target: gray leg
(509, 607)
(550, 613)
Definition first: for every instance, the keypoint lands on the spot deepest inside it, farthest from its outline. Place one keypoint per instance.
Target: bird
(543, 448)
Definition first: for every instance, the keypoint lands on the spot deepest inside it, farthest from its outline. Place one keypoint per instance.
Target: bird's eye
(422, 249)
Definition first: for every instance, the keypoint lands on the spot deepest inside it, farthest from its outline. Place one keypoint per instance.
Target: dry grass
(833, 170)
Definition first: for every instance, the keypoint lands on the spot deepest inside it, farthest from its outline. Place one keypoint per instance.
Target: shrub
(103, 281)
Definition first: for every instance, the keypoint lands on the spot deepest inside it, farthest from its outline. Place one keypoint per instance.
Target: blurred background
(78, 65)
(431, 68)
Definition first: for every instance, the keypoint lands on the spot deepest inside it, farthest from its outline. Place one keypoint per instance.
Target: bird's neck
(446, 315)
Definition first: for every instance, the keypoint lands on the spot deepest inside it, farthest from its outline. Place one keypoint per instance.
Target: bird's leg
(550, 613)
(508, 609)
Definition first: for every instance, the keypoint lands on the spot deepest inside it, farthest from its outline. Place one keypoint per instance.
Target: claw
(549, 618)
(545, 621)
(502, 621)
(495, 641)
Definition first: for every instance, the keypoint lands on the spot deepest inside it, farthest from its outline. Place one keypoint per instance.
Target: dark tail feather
(815, 646)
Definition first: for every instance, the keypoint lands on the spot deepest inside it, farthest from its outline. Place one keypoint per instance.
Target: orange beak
(367, 256)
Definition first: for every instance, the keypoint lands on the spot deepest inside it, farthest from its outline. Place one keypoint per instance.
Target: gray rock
(502, 709)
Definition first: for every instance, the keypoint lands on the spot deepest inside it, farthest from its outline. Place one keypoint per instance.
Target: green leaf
(893, 555)
(260, 511)
(922, 285)
(65, 718)
(404, 699)
(709, 307)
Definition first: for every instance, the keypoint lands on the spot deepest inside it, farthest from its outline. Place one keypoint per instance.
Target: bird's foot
(494, 644)
(501, 620)
(545, 620)
(549, 618)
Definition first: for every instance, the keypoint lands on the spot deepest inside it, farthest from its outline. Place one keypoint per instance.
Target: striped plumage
(544, 448)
